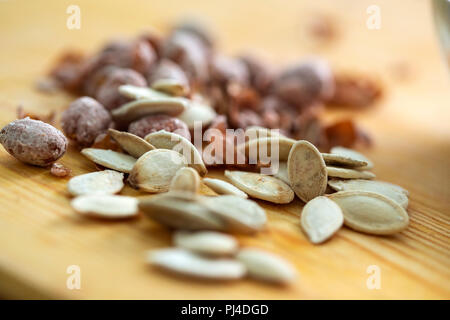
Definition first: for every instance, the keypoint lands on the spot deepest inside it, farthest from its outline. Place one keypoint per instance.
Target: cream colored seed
(197, 113)
(352, 154)
(100, 182)
(110, 159)
(134, 145)
(345, 173)
(106, 206)
(206, 242)
(186, 179)
(223, 187)
(343, 161)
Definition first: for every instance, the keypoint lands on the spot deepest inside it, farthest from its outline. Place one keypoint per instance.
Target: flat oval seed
(172, 87)
(392, 191)
(187, 263)
(186, 179)
(370, 212)
(255, 132)
(101, 182)
(345, 173)
(321, 218)
(261, 186)
(136, 93)
(223, 187)
(307, 171)
(106, 206)
(352, 154)
(154, 171)
(206, 242)
(134, 145)
(199, 113)
(257, 149)
(110, 159)
(343, 161)
(267, 266)
(172, 141)
(239, 215)
(282, 172)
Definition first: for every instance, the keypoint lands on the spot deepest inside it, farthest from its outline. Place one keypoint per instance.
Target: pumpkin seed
(255, 132)
(172, 141)
(282, 172)
(321, 218)
(370, 212)
(136, 93)
(101, 182)
(396, 193)
(307, 171)
(261, 186)
(154, 171)
(206, 242)
(352, 154)
(186, 179)
(134, 145)
(188, 263)
(106, 206)
(223, 187)
(180, 211)
(345, 173)
(266, 266)
(172, 87)
(110, 159)
(342, 161)
(239, 215)
(254, 148)
(197, 112)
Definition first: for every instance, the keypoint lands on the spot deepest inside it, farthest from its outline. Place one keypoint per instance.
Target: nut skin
(144, 126)
(84, 120)
(33, 141)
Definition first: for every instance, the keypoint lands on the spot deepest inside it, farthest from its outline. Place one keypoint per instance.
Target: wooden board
(40, 236)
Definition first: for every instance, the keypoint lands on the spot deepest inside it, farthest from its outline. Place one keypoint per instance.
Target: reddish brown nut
(226, 69)
(167, 69)
(356, 92)
(305, 84)
(67, 72)
(155, 123)
(59, 170)
(261, 75)
(84, 120)
(198, 29)
(108, 92)
(33, 141)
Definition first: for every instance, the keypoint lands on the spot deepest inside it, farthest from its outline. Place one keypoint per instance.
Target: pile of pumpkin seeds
(155, 164)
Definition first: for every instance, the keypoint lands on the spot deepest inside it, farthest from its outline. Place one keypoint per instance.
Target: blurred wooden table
(40, 236)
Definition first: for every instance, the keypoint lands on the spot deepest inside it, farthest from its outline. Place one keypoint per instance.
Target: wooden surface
(40, 236)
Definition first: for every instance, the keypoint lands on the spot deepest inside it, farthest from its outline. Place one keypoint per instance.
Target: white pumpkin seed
(343, 161)
(206, 242)
(223, 187)
(172, 141)
(321, 218)
(186, 179)
(267, 266)
(110, 159)
(307, 171)
(239, 215)
(255, 149)
(352, 154)
(188, 263)
(144, 107)
(197, 113)
(255, 132)
(154, 171)
(172, 87)
(282, 172)
(261, 186)
(134, 145)
(392, 191)
(106, 206)
(370, 212)
(137, 93)
(100, 182)
(180, 211)
(345, 173)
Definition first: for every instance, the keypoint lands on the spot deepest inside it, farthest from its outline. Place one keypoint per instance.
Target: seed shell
(186, 179)
(343, 161)
(110, 159)
(134, 145)
(223, 187)
(352, 154)
(206, 242)
(345, 173)
(106, 206)
(100, 182)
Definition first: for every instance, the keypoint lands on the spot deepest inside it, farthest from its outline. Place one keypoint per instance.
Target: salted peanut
(282, 172)
(345, 173)
(172, 87)
(106, 206)
(134, 145)
(321, 218)
(223, 187)
(154, 171)
(172, 141)
(307, 171)
(370, 212)
(190, 264)
(267, 266)
(144, 107)
(101, 182)
(137, 93)
(197, 113)
(206, 242)
(261, 186)
(252, 147)
(352, 154)
(180, 211)
(110, 159)
(239, 215)
(186, 179)
(392, 191)
(342, 161)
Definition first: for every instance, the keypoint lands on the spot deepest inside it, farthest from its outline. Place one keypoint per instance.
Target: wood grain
(40, 236)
